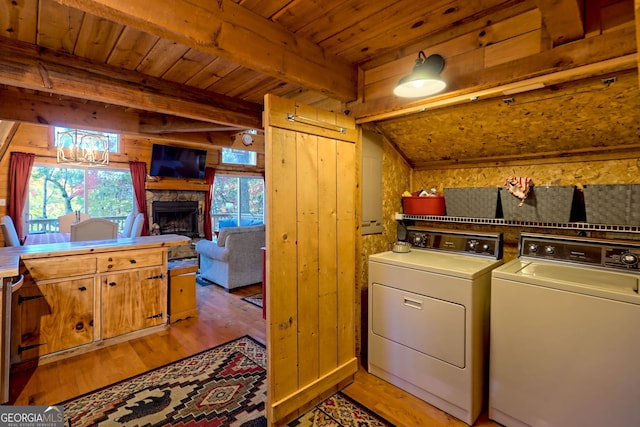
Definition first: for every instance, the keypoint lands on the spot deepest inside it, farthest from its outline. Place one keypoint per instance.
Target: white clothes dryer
(428, 317)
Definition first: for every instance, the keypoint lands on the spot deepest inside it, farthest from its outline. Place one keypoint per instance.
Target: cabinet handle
(132, 261)
(29, 347)
(112, 283)
(79, 326)
(22, 299)
(160, 276)
(155, 316)
(82, 288)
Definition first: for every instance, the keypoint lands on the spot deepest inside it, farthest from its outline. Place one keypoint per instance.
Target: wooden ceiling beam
(200, 139)
(54, 111)
(225, 29)
(32, 67)
(7, 130)
(577, 155)
(162, 123)
(563, 19)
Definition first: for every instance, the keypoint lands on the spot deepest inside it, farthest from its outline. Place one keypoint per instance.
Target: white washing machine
(428, 317)
(564, 340)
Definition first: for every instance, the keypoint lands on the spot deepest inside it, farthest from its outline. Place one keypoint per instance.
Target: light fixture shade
(424, 80)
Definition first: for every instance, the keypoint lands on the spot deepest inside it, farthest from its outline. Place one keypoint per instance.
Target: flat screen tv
(177, 162)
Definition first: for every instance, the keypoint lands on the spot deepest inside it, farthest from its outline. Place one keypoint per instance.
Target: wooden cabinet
(132, 301)
(54, 316)
(75, 300)
(182, 290)
(134, 295)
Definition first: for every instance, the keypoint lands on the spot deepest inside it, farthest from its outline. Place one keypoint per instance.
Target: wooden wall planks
(311, 242)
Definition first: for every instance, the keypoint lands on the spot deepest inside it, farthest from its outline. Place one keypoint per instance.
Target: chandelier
(82, 147)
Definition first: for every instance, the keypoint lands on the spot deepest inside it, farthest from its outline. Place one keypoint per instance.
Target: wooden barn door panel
(311, 188)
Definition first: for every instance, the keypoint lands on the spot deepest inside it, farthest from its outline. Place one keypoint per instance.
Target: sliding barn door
(311, 229)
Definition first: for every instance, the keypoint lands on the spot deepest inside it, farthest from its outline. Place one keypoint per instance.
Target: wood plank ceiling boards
(199, 71)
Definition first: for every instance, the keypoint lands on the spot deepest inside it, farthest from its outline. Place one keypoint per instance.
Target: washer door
(428, 325)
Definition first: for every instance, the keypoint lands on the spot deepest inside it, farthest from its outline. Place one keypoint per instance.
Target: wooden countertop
(10, 256)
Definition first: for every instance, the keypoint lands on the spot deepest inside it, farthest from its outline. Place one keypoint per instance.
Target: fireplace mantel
(177, 185)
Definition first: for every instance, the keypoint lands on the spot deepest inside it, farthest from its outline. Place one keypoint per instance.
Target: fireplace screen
(176, 217)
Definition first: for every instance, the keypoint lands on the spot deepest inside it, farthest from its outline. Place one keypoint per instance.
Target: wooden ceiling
(197, 71)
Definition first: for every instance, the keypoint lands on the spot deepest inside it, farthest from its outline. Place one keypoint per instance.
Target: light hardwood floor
(223, 316)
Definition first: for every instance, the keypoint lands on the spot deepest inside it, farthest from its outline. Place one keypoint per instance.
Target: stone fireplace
(178, 212)
(179, 217)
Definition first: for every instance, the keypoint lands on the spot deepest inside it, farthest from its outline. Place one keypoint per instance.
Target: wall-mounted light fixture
(425, 78)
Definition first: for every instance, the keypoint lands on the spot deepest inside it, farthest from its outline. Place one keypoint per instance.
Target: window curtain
(19, 173)
(209, 176)
(138, 177)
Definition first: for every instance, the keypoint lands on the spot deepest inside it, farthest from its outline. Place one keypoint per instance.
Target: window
(99, 192)
(237, 200)
(239, 157)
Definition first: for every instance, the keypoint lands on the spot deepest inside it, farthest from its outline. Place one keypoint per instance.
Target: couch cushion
(222, 236)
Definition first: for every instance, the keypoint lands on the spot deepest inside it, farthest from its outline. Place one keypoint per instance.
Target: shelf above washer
(500, 221)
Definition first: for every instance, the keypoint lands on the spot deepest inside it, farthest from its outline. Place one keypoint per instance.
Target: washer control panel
(579, 250)
(479, 244)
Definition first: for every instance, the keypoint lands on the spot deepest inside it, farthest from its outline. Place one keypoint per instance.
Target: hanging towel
(519, 186)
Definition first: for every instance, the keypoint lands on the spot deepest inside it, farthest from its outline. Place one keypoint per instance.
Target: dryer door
(431, 326)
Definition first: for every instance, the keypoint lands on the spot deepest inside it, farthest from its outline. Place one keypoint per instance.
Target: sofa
(234, 259)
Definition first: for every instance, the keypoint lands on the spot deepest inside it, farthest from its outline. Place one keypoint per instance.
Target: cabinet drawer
(56, 267)
(129, 259)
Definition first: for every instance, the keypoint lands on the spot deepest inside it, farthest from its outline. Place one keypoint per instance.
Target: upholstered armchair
(235, 259)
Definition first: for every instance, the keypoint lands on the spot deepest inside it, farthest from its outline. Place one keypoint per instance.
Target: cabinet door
(133, 300)
(54, 316)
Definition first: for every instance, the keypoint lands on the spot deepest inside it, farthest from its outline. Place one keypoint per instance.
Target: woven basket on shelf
(544, 204)
(614, 204)
(473, 202)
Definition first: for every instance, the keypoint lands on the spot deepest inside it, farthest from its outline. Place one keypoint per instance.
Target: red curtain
(209, 176)
(138, 177)
(19, 173)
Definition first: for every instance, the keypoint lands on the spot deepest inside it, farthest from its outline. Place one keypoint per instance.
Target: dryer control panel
(479, 244)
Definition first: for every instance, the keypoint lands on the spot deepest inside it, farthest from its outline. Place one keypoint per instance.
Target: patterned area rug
(255, 299)
(340, 411)
(223, 386)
